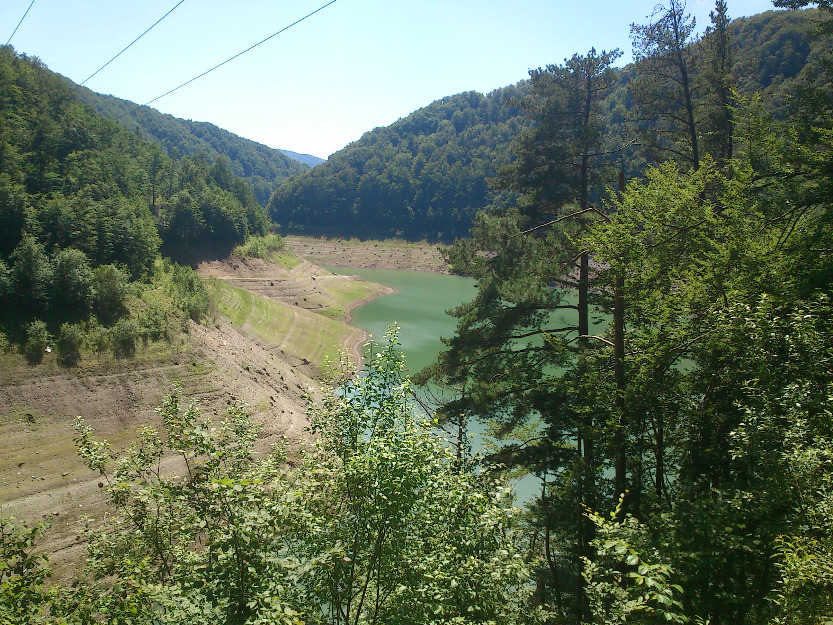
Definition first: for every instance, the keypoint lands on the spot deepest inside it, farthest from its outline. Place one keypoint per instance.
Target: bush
(110, 292)
(154, 322)
(37, 340)
(379, 507)
(24, 573)
(70, 340)
(123, 337)
(188, 291)
(98, 337)
(259, 246)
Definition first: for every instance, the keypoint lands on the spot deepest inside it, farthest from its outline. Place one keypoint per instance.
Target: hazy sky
(356, 65)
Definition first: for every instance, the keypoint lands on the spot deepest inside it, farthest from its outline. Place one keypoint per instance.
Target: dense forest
(86, 209)
(425, 176)
(653, 334)
(651, 338)
(261, 167)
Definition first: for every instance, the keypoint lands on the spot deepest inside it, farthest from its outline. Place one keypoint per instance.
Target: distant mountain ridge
(306, 159)
(264, 168)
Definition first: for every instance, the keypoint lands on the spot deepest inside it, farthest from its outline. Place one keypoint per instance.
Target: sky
(353, 66)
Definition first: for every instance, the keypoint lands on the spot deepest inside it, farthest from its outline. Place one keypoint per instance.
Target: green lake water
(418, 306)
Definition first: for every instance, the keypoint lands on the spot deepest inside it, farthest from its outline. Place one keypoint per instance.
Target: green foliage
(123, 336)
(154, 322)
(38, 339)
(31, 274)
(80, 196)
(410, 536)
(5, 282)
(426, 175)
(110, 291)
(69, 342)
(188, 291)
(376, 523)
(623, 586)
(262, 168)
(209, 213)
(423, 177)
(708, 397)
(72, 282)
(23, 573)
(259, 246)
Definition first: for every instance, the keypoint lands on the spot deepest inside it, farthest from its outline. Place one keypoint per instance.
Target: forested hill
(262, 167)
(426, 175)
(422, 177)
(86, 206)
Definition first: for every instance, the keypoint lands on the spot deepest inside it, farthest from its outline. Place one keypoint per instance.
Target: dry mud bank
(41, 476)
(234, 357)
(387, 254)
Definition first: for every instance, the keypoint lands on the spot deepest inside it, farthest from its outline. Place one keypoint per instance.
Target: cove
(418, 306)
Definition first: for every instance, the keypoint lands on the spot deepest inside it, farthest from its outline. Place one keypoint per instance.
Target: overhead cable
(188, 82)
(20, 22)
(130, 44)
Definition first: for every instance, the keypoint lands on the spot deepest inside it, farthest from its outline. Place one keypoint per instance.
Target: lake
(418, 306)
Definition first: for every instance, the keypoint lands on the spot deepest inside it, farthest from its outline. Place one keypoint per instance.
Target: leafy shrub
(241, 539)
(188, 291)
(23, 573)
(110, 293)
(37, 340)
(154, 322)
(259, 246)
(123, 336)
(98, 337)
(70, 340)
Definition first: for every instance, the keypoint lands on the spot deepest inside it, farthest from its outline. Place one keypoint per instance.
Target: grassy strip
(296, 331)
(345, 294)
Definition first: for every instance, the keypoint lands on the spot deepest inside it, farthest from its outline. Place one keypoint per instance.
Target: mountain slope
(422, 177)
(426, 175)
(306, 159)
(264, 168)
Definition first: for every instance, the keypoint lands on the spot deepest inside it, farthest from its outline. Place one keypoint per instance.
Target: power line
(20, 22)
(188, 82)
(130, 44)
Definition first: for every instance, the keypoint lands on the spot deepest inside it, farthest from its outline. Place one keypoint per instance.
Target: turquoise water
(418, 306)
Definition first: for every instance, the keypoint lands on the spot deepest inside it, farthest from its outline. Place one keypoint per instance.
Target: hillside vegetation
(87, 209)
(423, 177)
(656, 350)
(651, 343)
(427, 175)
(261, 167)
